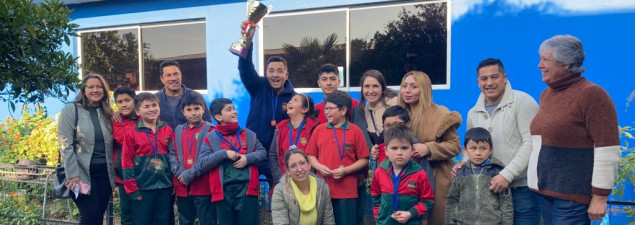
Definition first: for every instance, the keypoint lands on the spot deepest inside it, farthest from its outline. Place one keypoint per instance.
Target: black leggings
(92, 207)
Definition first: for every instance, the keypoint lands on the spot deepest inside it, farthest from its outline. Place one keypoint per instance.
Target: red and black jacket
(119, 130)
(184, 152)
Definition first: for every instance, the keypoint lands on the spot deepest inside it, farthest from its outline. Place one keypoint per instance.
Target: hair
(491, 62)
(425, 85)
(566, 50)
(328, 68)
(124, 90)
(307, 102)
(276, 59)
(478, 134)
(396, 111)
(289, 153)
(400, 132)
(217, 106)
(385, 91)
(141, 97)
(104, 103)
(166, 64)
(191, 98)
(341, 99)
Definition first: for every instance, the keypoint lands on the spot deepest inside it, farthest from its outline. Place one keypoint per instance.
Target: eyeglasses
(328, 109)
(300, 164)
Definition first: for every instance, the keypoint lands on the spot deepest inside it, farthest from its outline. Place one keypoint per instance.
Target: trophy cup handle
(269, 8)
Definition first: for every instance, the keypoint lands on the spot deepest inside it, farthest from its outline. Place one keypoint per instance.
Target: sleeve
(279, 211)
(175, 166)
(375, 193)
(426, 197)
(248, 74)
(524, 114)
(329, 218)
(127, 163)
(452, 202)
(274, 163)
(506, 207)
(208, 160)
(65, 140)
(450, 144)
(118, 131)
(258, 155)
(601, 124)
(361, 150)
(312, 146)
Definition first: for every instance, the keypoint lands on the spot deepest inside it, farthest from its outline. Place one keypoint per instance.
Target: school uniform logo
(167, 140)
(303, 141)
(348, 147)
(196, 135)
(412, 184)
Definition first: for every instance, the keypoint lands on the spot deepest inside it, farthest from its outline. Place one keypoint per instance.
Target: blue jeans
(558, 211)
(526, 209)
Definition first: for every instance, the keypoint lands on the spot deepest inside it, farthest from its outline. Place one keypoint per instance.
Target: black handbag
(60, 190)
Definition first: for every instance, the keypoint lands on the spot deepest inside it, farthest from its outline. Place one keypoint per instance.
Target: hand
(597, 208)
(339, 173)
(72, 182)
(401, 216)
(138, 198)
(116, 117)
(374, 152)
(325, 171)
(242, 162)
(248, 31)
(498, 184)
(421, 150)
(454, 168)
(182, 180)
(232, 155)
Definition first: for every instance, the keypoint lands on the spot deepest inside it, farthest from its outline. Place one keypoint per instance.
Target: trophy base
(239, 50)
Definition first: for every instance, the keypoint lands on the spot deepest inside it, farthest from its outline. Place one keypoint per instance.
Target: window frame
(140, 63)
(348, 9)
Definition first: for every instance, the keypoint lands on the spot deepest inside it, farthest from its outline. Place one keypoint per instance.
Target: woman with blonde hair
(435, 126)
(85, 139)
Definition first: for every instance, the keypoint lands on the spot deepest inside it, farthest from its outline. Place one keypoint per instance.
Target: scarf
(227, 129)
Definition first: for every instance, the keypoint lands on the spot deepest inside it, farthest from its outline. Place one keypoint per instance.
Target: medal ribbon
(222, 139)
(340, 150)
(297, 136)
(275, 105)
(155, 148)
(395, 182)
(192, 141)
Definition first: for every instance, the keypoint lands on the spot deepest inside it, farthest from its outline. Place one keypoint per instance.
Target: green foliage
(18, 204)
(33, 136)
(33, 65)
(309, 56)
(626, 170)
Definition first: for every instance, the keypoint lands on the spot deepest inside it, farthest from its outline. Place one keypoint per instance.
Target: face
(371, 89)
(399, 152)
(125, 104)
(551, 70)
(393, 121)
(333, 114)
(149, 110)
(298, 167)
(294, 107)
(171, 78)
(94, 91)
(492, 83)
(193, 113)
(410, 90)
(276, 75)
(478, 152)
(329, 82)
(227, 115)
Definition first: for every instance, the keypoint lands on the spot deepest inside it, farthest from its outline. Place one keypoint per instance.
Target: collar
(143, 128)
(187, 124)
(185, 89)
(345, 126)
(508, 98)
(288, 88)
(565, 82)
(411, 168)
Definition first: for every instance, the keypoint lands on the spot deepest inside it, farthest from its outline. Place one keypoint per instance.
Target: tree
(33, 65)
(307, 58)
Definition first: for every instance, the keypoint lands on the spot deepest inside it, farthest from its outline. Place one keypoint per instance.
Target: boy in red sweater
(124, 98)
(146, 171)
(192, 200)
(338, 151)
(329, 81)
(400, 190)
(230, 153)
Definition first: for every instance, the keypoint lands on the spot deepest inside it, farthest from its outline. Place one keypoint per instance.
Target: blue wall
(509, 30)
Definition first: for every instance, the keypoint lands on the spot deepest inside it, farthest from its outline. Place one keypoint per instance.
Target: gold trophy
(255, 12)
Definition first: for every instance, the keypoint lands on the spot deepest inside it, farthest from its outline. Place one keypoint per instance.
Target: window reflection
(113, 54)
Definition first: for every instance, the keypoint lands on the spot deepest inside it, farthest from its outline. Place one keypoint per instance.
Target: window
(392, 38)
(115, 54)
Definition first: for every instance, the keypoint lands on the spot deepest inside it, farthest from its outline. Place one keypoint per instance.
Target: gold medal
(273, 122)
(190, 161)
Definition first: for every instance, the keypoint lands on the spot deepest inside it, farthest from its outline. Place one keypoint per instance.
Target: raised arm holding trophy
(255, 12)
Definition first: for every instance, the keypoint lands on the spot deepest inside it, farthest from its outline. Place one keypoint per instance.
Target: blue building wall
(509, 30)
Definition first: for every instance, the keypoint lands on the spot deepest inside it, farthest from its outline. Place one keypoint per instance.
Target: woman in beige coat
(435, 126)
(301, 197)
